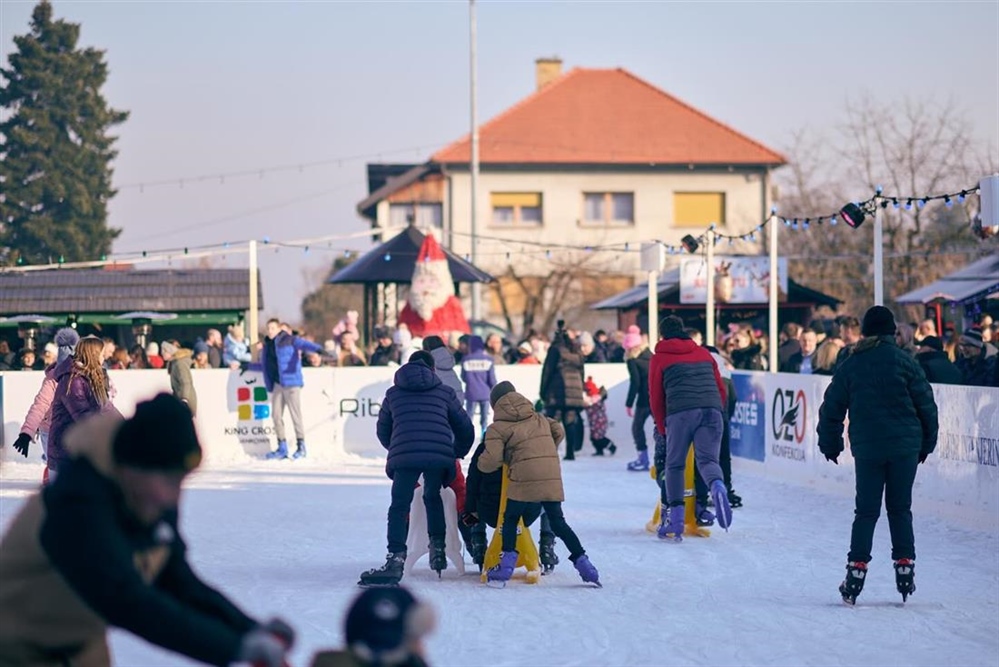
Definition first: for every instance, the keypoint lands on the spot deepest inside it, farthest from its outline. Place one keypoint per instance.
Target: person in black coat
(893, 428)
(562, 378)
(424, 428)
(936, 365)
(637, 358)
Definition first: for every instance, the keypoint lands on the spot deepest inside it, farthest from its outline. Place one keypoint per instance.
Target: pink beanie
(633, 338)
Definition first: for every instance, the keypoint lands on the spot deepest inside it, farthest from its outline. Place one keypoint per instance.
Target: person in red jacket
(686, 395)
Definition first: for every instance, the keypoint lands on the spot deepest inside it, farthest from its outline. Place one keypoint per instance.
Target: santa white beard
(430, 288)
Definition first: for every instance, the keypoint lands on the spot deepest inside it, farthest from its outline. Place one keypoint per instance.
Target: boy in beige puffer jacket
(527, 442)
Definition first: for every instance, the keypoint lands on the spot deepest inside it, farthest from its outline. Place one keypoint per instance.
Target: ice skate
(438, 557)
(299, 450)
(389, 574)
(905, 577)
(671, 528)
(280, 453)
(856, 573)
(587, 572)
(723, 511)
(641, 463)
(704, 516)
(501, 573)
(546, 551)
(478, 549)
(734, 499)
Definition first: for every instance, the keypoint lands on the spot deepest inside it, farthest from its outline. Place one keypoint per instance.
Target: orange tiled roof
(607, 116)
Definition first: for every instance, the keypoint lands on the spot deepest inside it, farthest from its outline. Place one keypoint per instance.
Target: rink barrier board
(773, 429)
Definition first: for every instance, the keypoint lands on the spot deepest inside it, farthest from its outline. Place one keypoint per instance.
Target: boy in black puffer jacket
(424, 428)
(893, 428)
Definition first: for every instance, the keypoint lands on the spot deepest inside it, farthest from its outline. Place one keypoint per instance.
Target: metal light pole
(476, 287)
(253, 316)
(709, 325)
(774, 279)
(879, 260)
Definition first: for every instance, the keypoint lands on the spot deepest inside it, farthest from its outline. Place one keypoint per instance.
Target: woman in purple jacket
(82, 389)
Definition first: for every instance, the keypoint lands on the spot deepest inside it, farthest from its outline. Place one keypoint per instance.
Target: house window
(424, 215)
(608, 208)
(516, 209)
(698, 209)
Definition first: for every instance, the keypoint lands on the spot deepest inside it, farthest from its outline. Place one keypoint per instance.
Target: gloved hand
(630, 411)
(24, 440)
(262, 648)
(469, 518)
(922, 455)
(831, 457)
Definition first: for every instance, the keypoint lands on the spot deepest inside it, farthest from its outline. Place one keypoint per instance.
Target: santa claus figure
(432, 309)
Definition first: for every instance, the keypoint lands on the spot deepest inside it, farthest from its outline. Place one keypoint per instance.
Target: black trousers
(403, 488)
(725, 455)
(642, 414)
(572, 421)
(516, 509)
(893, 479)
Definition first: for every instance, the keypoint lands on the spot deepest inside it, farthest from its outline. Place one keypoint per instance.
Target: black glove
(831, 457)
(922, 455)
(24, 440)
(469, 518)
(262, 647)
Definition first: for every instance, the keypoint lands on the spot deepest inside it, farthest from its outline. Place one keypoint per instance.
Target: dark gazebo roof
(395, 260)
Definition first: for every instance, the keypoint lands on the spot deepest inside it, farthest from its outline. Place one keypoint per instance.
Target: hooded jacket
(562, 377)
(444, 367)
(683, 376)
(422, 424)
(638, 375)
(181, 383)
(40, 413)
(73, 562)
(478, 370)
(891, 405)
(527, 442)
(72, 401)
(938, 368)
(288, 357)
(235, 350)
(483, 490)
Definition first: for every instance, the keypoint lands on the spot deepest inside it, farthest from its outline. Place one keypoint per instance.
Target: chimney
(547, 70)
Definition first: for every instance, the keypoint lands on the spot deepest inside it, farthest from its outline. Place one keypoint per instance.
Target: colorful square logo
(252, 404)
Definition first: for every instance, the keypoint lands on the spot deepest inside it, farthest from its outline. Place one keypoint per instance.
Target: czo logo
(789, 415)
(251, 403)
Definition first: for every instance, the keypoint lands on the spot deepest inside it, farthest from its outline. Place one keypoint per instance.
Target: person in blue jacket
(478, 371)
(281, 359)
(424, 428)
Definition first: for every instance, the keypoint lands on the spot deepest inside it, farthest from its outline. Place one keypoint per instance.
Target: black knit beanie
(159, 436)
(499, 391)
(422, 357)
(878, 321)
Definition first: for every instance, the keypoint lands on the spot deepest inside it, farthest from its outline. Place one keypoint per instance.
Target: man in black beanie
(100, 547)
(893, 428)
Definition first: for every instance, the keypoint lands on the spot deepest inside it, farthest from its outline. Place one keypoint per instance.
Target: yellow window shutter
(515, 199)
(698, 209)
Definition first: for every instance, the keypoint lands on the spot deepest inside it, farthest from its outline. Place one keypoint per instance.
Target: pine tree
(55, 150)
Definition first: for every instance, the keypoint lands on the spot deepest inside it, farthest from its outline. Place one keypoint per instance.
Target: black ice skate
(905, 577)
(546, 551)
(734, 499)
(856, 573)
(438, 558)
(389, 574)
(478, 549)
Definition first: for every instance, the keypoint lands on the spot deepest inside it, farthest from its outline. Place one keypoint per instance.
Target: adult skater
(562, 394)
(100, 547)
(686, 395)
(528, 443)
(282, 365)
(637, 358)
(424, 428)
(893, 428)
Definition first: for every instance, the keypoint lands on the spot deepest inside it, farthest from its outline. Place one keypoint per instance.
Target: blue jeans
(483, 415)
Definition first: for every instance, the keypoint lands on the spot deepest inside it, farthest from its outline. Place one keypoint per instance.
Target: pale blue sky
(223, 86)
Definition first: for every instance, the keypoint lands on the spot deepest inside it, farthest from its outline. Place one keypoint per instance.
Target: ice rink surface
(290, 539)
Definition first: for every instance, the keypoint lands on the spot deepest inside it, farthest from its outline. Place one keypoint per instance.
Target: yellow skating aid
(527, 550)
(689, 500)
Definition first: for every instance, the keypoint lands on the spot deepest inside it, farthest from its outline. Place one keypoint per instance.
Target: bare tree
(324, 307)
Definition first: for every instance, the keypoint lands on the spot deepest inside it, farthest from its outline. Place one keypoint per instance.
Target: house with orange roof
(581, 172)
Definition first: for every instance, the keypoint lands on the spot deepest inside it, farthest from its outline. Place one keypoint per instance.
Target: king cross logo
(252, 404)
(789, 418)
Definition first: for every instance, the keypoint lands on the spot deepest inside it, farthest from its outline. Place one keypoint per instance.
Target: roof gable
(608, 116)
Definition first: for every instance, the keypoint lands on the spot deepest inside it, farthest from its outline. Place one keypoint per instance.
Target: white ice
(290, 538)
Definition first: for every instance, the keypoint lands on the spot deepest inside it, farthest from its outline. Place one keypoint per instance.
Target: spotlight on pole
(852, 215)
(690, 244)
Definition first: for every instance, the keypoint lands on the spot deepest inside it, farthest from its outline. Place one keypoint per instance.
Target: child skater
(596, 416)
(527, 443)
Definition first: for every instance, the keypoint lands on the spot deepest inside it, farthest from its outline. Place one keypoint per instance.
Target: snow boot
(671, 527)
(723, 511)
(389, 574)
(546, 551)
(280, 453)
(478, 549)
(856, 573)
(299, 450)
(734, 499)
(641, 463)
(704, 516)
(438, 558)
(501, 573)
(905, 577)
(587, 571)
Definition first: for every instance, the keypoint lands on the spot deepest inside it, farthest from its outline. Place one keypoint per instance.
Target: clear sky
(224, 86)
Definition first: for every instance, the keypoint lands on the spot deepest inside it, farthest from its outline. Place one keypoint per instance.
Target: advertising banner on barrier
(749, 423)
(791, 416)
